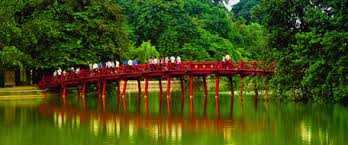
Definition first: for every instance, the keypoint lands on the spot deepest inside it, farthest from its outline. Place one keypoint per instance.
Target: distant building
(15, 76)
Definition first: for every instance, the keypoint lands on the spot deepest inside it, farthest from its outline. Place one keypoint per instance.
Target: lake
(73, 121)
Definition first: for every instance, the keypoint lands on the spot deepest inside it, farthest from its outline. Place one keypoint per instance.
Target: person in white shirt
(178, 60)
(95, 66)
(227, 57)
(155, 61)
(166, 60)
(130, 62)
(59, 72)
(172, 59)
(117, 63)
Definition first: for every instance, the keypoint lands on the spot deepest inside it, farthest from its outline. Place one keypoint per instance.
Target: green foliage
(245, 10)
(143, 52)
(309, 38)
(64, 33)
(11, 56)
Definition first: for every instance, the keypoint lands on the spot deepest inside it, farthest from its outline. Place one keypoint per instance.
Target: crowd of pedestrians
(169, 63)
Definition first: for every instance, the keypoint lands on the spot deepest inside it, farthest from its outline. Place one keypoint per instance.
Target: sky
(230, 3)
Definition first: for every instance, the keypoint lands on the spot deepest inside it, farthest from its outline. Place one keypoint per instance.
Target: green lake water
(53, 121)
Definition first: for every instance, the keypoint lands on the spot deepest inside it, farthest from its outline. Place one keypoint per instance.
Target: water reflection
(158, 126)
(99, 121)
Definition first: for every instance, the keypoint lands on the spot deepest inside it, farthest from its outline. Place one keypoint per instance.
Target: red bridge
(159, 71)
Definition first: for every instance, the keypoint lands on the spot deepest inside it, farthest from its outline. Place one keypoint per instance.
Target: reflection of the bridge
(157, 126)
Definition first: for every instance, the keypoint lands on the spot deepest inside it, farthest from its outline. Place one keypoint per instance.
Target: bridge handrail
(257, 66)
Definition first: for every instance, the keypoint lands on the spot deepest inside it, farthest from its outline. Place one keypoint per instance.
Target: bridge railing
(257, 66)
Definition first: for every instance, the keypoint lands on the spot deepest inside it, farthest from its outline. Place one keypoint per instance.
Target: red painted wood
(191, 93)
(124, 95)
(217, 78)
(168, 93)
(146, 95)
(118, 93)
(205, 94)
(241, 88)
(104, 88)
(161, 93)
(231, 88)
(84, 89)
(182, 93)
(139, 93)
(64, 92)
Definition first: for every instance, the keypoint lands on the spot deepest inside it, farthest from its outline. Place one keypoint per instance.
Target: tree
(245, 9)
(309, 38)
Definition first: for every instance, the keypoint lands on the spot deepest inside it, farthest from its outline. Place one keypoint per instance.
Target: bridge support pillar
(64, 92)
(266, 93)
(256, 91)
(168, 93)
(118, 93)
(205, 94)
(191, 93)
(104, 88)
(78, 92)
(124, 96)
(161, 93)
(231, 88)
(98, 88)
(182, 93)
(139, 94)
(146, 95)
(217, 77)
(84, 89)
(241, 88)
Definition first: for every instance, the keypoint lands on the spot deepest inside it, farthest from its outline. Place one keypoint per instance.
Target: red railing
(254, 66)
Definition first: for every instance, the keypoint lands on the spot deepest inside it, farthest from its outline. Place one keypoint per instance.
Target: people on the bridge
(95, 66)
(59, 72)
(117, 64)
(155, 60)
(227, 57)
(100, 66)
(90, 66)
(166, 59)
(178, 60)
(112, 64)
(77, 70)
(130, 62)
(162, 60)
(135, 62)
(172, 59)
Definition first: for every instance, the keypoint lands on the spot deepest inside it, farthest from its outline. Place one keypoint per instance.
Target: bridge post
(217, 77)
(84, 89)
(104, 88)
(161, 93)
(241, 88)
(78, 92)
(231, 87)
(123, 95)
(168, 93)
(256, 91)
(191, 93)
(139, 93)
(205, 94)
(266, 93)
(118, 93)
(98, 88)
(64, 92)
(146, 94)
(182, 93)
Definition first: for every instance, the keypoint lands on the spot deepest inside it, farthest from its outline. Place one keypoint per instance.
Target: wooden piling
(123, 95)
